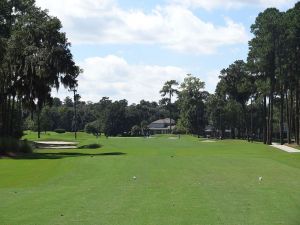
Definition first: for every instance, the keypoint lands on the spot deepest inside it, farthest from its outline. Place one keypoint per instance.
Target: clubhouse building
(161, 126)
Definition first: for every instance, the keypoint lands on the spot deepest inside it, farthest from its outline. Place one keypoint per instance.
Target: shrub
(8, 145)
(12, 145)
(29, 124)
(126, 134)
(136, 130)
(179, 130)
(93, 128)
(25, 147)
(60, 131)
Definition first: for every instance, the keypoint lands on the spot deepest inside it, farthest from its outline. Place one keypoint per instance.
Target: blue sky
(128, 49)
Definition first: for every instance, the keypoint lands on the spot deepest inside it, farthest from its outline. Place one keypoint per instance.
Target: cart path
(285, 148)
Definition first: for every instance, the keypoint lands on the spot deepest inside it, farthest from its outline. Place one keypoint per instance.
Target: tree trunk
(297, 102)
(268, 123)
(288, 118)
(297, 138)
(232, 133)
(281, 116)
(271, 108)
(6, 116)
(12, 116)
(251, 117)
(75, 115)
(292, 113)
(38, 123)
(270, 139)
(170, 111)
(265, 120)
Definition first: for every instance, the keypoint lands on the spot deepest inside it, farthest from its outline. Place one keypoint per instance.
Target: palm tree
(168, 89)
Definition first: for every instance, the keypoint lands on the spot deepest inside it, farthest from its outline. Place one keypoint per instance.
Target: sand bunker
(208, 141)
(55, 144)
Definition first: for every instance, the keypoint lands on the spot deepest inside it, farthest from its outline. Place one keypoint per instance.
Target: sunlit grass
(178, 181)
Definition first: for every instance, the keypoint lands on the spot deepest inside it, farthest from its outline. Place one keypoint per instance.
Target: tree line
(105, 116)
(254, 98)
(262, 95)
(119, 118)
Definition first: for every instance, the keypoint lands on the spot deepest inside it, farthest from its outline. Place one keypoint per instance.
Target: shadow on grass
(61, 155)
(90, 146)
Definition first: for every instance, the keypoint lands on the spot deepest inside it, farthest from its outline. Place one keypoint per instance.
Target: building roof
(162, 123)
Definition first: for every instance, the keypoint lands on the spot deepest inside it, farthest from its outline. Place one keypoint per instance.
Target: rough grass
(178, 182)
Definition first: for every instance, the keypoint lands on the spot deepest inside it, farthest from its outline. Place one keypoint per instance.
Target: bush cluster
(60, 131)
(12, 145)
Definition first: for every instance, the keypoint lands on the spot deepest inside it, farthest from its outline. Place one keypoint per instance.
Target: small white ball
(134, 177)
(260, 179)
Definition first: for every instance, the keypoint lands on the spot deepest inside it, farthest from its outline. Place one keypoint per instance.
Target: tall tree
(169, 90)
(191, 100)
(236, 84)
(292, 43)
(36, 59)
(266, 30)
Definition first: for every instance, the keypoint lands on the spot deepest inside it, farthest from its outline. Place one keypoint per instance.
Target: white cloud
(112, 76)
(172, 26)
(228, 4)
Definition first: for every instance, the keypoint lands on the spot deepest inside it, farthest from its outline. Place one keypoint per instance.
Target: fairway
(178, 182)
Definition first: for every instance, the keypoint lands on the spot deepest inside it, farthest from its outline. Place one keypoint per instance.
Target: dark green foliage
(179, 130)
(274, 61)
(191, 101)
(11, 145)
(25, 146)
(68, 102)
(34, 58)
(93, 128)
(136, 131)
(28, 124)
(232, 94)
(60, 131)
(114, 121)
(8, 145)
(116, 118)
(262, 96)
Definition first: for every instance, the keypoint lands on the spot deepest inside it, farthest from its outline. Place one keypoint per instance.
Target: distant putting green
(151, 181)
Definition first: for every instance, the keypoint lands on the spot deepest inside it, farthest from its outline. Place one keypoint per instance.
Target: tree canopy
(35, 58)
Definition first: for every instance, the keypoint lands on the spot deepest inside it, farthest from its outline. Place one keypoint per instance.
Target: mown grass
(178, 181)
